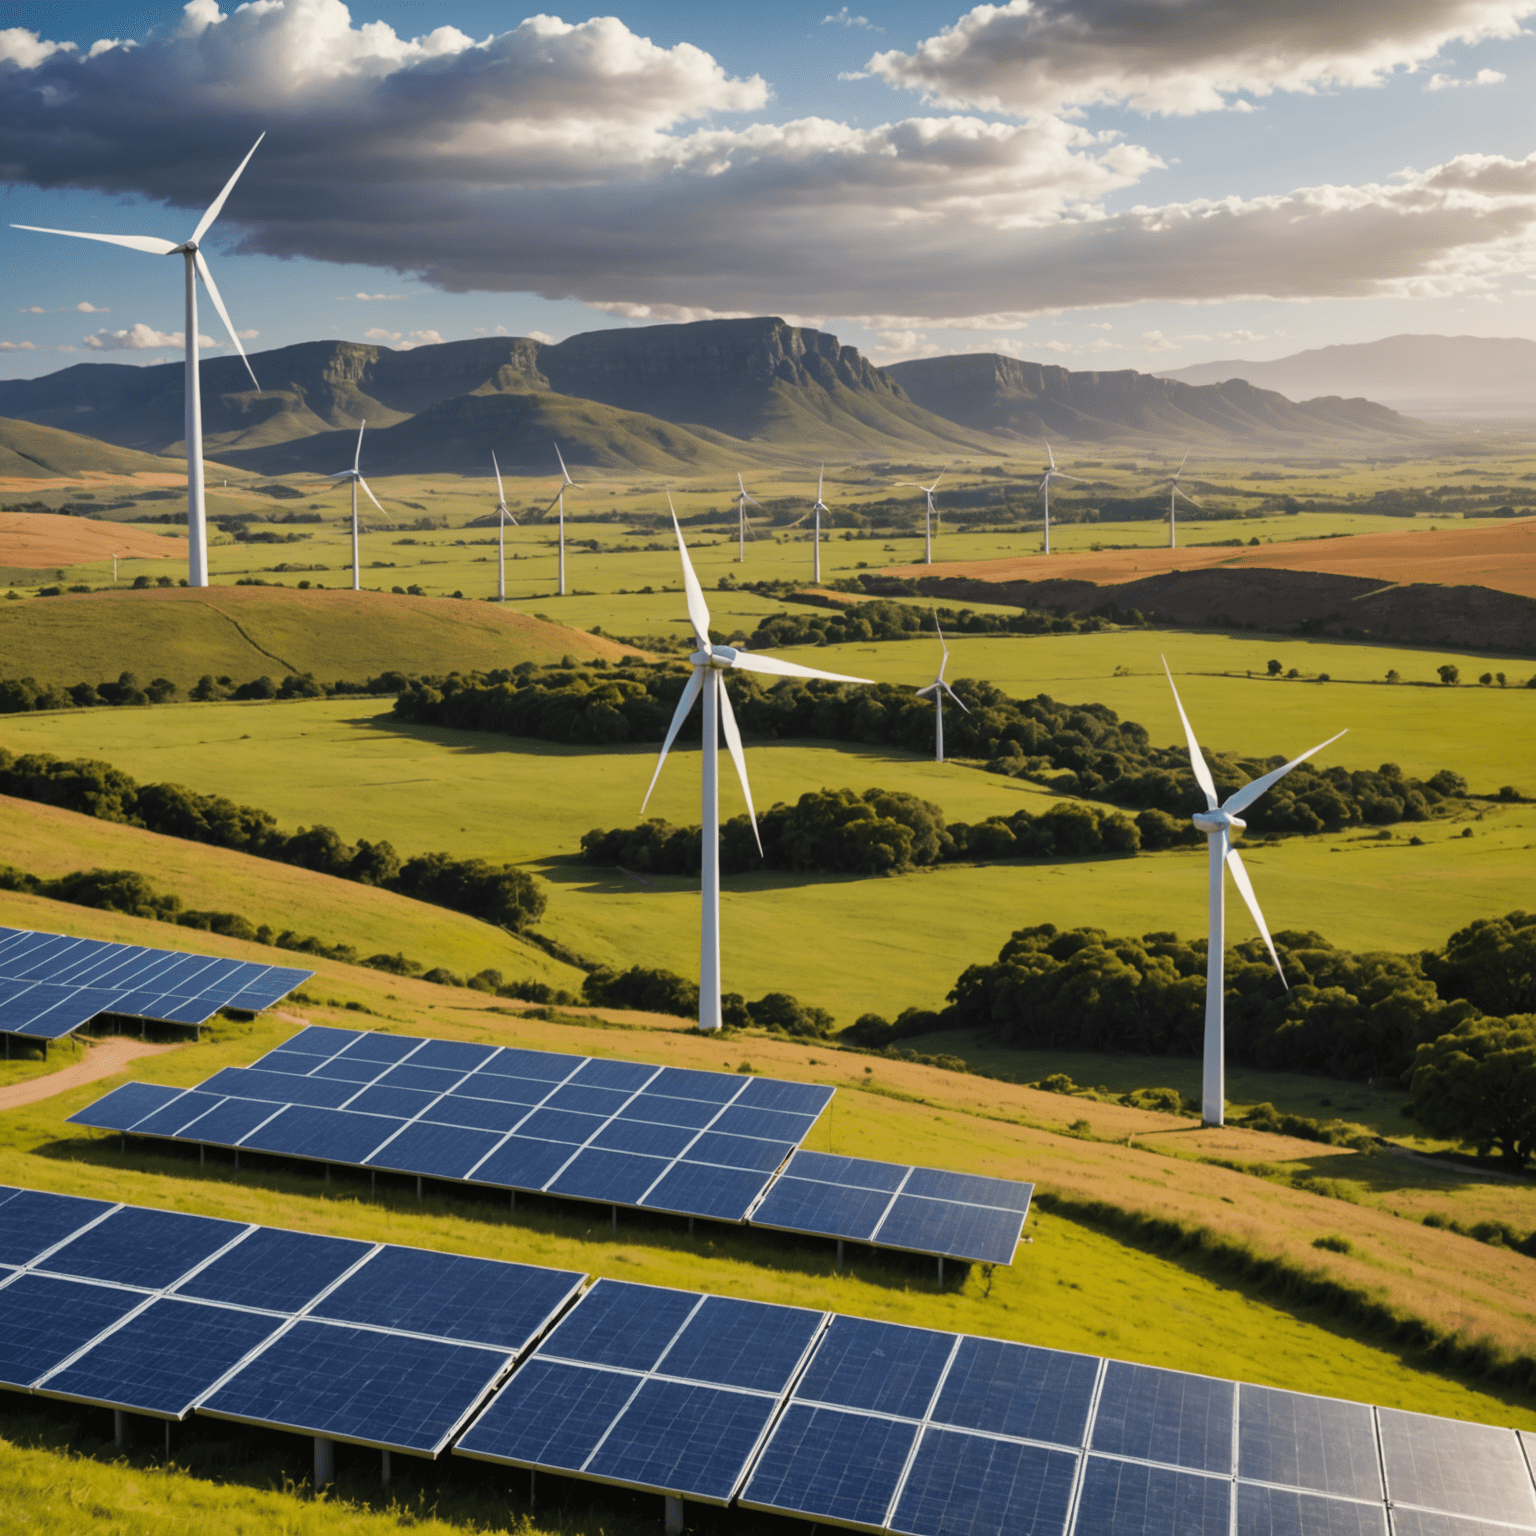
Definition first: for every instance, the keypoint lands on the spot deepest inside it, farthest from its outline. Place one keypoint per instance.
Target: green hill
(248, 632)
(33, 452)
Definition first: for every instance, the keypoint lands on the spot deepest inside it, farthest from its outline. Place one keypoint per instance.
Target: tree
(1275, 669)
(1478, 1084)
(1486, 679)
(1449, 674)
(1394, 676)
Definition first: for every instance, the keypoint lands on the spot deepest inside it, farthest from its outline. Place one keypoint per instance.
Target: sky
(1093, 183)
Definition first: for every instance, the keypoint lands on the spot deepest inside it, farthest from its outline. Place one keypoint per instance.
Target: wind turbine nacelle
(1217, 821)
(722, 657)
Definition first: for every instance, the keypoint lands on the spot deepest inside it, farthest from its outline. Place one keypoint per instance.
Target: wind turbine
(196, 267)
(566, 483)
(818, 508)
(354, 477)
(1173, 508)
(503, 517)
(938, 688)
(1051, 473)
(741, 519)
(929, 517)
(710, 664)
(1216, 821)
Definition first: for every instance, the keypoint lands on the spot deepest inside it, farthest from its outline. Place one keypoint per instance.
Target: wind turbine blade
(1245, 889)
(733, 741)
(357, 456)
(217, 205)
(955, 696)
(923, 693)
(501, 495)
(218, 304)
(684, 704)
(748, 661)
(1196, 761)
(1240, 799)
(369, 494)
(820, 478)
(1051, 456)
(1190, 499)
(1061, 474)
(698, 609)
(146, 243)
(932, 488)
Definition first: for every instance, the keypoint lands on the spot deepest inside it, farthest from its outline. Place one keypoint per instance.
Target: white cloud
(26, 49)
(32, 309)
(87, 308)
(141, 338)
(403, 341)
(543, 336)
(1439, 82)
(17, 346)
(843, 17)
(247, 335)
(1180, 56)
(373, 298)
(1241, 337)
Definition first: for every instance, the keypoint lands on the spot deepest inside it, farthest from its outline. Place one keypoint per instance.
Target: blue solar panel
(974, 1485)
(686, 1083)
(1127, 1498)
(848, 1172)
(793, 1098)
(595, 1174)
(748, 1344)
(331, 1135)
(622, 1324)
(161, 1361)
(450, 1296)
(1165, 1416)
(410, 1074)
(627, 1076)
(229, 1122)
(43, 1321)
(550, 1415)
(440, 1151)
(390, 1390)
(1307, 1442)
(178, 1114)
(880, 1367)
(1462, 1469)
(969, 1189)
(698, 1189)
(32, 1222)
(805, 1205)
(979, 1232)
(666, 1141)
(385, 1049)
(135, 1246)
(522, 1163)
(1283, 1512)
(546, 1066)
(661, 1109)
(587, 1100)
(739, 1151)
(280, 1088)
(1407, 1521)
(275, 1270)
(1019, 1389)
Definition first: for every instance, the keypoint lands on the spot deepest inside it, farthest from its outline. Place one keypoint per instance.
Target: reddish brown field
(37, 540)
(1501, 556)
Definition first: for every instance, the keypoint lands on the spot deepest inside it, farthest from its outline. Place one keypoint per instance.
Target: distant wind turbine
(742, 502)
(1216, 821)
(503, 517)
(938, 688)
(354, 477)
(710, 664)
(818, 508)
(566, 484)
(930, 517)
(1173, 503)
(196, 267)
(1051, 473)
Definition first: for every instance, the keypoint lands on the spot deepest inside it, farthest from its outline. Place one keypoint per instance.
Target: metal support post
(615, 1210)
(325, 1462)
(373, 1184)
(119, 1428)
(533, 1491)
(202, 1154)
(327, 1175)
(418, 1186)
(941, 1269)
(839, 1254)
(384, 1467)
(690, 1226)
(674, 1516)
(167, 1439)
(514, 1200)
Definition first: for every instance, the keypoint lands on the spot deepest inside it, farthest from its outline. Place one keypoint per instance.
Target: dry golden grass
(38, 540)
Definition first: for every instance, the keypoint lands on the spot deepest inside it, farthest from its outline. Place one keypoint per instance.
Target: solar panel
(667, 1391)
(51, 984)
(1462, 1469)
(619, 1132)
(921, 1210)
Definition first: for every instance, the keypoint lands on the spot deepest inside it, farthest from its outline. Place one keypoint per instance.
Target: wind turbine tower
(1051, 473)
(930, 516)
(354, 477)
(743, 501)
(1173, 503)
(566, 483)
(710, 664)
(196, 267)
(818, 508)
(503, 517)
(1216, 821)
(938, 688)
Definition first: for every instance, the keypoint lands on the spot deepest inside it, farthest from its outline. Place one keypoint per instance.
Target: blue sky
(1097, 183)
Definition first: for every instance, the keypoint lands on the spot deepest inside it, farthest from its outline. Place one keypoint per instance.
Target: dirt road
(104, 1060)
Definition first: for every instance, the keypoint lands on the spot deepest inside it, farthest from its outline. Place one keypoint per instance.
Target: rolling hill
(30, 451)
(248, 632)
(1003, 396)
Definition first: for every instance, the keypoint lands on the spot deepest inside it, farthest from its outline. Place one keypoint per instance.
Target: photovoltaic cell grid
(163, 1313)
(925, 1210)
(51, 984)
(667, 1391)
(909, 1431)
(625, 1133)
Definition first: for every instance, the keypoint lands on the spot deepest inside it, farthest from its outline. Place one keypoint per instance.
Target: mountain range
(1491, 376)
(708, 396)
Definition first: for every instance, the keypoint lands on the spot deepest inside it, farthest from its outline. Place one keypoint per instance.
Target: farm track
(104, 1060)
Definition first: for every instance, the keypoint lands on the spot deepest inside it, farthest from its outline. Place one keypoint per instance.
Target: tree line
(20, 695)
(500, 894)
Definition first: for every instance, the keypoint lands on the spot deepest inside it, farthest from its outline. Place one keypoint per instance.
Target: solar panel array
(622, 1132)
(51, 984)
(162, 1313)
(924, 1210)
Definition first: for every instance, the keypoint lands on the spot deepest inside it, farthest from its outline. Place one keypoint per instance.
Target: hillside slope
(992, 393)
(248, 632)
(30, 451)
(40, 540)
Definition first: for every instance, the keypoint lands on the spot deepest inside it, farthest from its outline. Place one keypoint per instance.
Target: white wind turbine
(1216, 821)
(1051, 473)
(710, 664)
(742, 502)
(930, 516)
(354, 478)
(503, 517)
(196, 267)
(566, 484)
(1173, 503)
(818, 507)
(938, 688)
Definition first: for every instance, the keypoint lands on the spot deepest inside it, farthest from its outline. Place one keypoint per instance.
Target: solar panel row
(51, 984)
(845, 1421)
(625, 1133)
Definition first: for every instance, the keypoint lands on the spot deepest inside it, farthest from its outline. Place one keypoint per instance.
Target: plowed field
(37, 540)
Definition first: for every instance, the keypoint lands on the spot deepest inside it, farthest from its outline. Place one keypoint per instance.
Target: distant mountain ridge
(708, 396)
(1495, 374)
(1001, 395)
